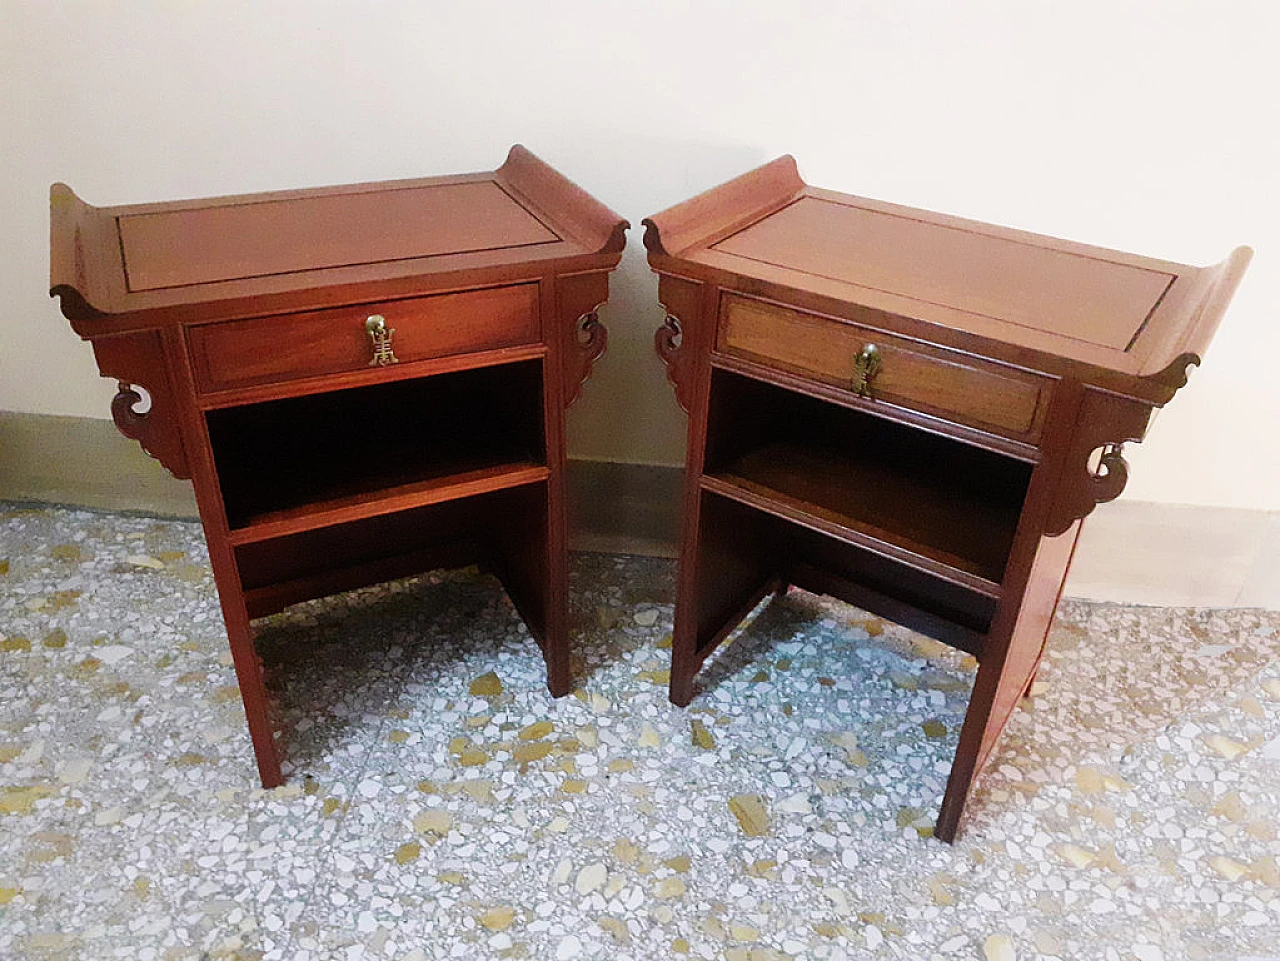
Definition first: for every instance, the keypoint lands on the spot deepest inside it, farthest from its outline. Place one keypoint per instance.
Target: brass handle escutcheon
(376, 327)
(865, 367)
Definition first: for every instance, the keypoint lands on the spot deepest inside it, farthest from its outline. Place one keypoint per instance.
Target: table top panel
(1129, 323)
(118, 268)
(259, 238)
(1086, 297)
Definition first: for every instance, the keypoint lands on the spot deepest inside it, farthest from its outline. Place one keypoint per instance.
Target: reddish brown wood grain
(557, 199)
(724, 209)
(137, 360)
(578, 299)
(1031, 353)
(916, 375)
(1019, 282)
(257, 237)
(88, 269)
(677, 340)
(998, 293)
(315, 343)
(318, 468)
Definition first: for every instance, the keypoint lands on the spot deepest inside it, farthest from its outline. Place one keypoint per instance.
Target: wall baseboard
(84, 462)
(1131, 552)
(624, 508)
(1175, 555)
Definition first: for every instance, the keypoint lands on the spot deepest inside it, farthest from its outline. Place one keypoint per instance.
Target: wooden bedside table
(907, 411)
(363, 382)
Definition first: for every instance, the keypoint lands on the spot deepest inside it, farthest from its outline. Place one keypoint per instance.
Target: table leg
(1007, 669)
(252, 690)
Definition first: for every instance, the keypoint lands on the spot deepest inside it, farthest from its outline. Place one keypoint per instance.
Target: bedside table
(907, 411)
(362, 382)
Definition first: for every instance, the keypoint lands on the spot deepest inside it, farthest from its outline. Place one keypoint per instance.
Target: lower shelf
(504, 529)
(272, 598)
(392, 500)
(917, 519)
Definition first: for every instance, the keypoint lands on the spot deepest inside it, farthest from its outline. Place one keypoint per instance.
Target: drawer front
(932, 380)
(244, 353)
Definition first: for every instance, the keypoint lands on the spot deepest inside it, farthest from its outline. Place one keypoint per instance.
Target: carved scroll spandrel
(584, 337)
(668, 341)
(130, 409)
(1106, 422)
(591, 338)
(137, 362)
(673, 341)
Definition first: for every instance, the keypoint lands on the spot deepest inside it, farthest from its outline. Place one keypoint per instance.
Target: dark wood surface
(258, 237)
(906, 513)
(302, 454)
(948, 505)
(317, 468)
(944, 490)
(1131, 324)
(243, 353)
(914, 375)
(1088, 296)
(88, 270)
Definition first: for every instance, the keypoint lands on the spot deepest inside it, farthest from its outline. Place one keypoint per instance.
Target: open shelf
(498, 528)
(292, 465)
(748, 548)
(391, 500)
(943, 506)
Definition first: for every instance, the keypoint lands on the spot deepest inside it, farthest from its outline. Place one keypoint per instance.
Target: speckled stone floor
(442, 805)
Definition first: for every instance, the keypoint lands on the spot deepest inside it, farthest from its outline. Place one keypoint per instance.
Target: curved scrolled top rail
(715, 212)
(594, 225)
(1168, 364)
(70, 277)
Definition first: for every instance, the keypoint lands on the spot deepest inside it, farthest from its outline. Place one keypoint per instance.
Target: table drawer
(921, 377)
(244, 353)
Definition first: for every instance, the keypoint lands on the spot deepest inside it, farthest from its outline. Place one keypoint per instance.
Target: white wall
(1143, 126)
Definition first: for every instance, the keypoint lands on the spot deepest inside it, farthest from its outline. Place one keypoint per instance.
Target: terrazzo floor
(442, 805)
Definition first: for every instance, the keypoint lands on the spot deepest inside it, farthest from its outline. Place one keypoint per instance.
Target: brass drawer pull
(376, 327)
(865, 367)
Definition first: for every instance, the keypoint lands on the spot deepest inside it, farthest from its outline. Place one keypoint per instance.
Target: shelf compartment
(945, 507)
(795, 485)
(840, 396)
(304, 462)
(485, 528)
(405, 370)
(389, 501)
(768, 548)
(246, 353)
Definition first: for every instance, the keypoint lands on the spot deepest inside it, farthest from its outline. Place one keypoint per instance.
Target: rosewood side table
(907, 411)
(363, 382)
